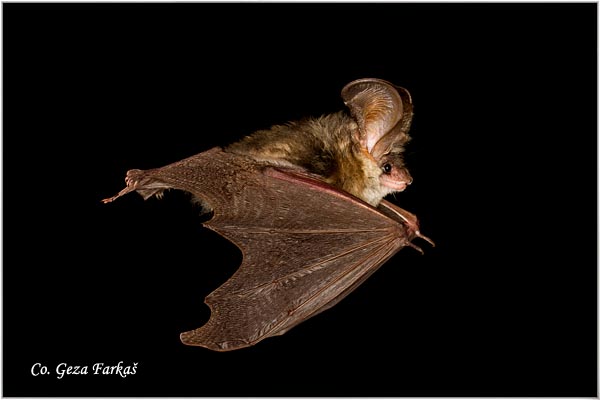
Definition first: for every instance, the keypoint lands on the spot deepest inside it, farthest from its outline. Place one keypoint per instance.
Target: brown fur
(360, 154)
(327, 146)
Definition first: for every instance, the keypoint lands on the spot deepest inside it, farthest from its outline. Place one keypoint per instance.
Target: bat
(304, 203)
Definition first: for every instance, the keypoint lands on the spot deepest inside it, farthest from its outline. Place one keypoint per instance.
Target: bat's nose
(406, 176)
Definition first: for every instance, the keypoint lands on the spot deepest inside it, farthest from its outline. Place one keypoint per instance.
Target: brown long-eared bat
(304, 203)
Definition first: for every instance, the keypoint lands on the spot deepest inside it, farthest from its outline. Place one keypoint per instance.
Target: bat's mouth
(393, 184)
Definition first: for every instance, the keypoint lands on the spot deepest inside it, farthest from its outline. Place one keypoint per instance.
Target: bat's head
(378, 177)
(394, 175)
(383, 114)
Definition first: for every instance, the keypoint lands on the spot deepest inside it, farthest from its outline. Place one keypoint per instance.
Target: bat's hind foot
(142, 182)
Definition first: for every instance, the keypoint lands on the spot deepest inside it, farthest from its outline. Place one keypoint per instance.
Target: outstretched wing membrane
(305, 245)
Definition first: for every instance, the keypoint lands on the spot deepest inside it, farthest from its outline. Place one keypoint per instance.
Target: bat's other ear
(382, 111)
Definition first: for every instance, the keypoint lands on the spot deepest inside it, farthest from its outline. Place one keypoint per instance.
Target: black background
(504, 161)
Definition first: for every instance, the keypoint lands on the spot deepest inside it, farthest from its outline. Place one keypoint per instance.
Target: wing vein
(275, 326)
(262, 230)
(307, 269)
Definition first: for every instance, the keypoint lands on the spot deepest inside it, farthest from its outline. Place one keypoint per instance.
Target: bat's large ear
(383, 113)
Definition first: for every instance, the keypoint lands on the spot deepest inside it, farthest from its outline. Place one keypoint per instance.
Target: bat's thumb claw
(425, 238)
(417, 248)
(418, 234)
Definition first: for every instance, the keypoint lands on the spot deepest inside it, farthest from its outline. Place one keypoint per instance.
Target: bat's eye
(387, 168)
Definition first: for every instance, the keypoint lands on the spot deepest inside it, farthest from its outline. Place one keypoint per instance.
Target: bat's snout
(397, 180)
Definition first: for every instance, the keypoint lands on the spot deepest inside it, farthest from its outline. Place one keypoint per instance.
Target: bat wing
(305, 245)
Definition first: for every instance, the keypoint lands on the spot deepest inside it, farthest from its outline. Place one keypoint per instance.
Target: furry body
(327, 146)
